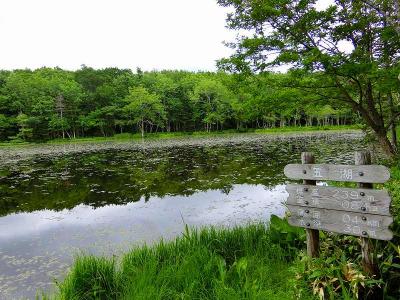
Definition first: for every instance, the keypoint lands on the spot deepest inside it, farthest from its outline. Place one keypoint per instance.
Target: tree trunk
(385, 143)
(375, 122)
(62, 124)
(393, 126)
(142, 128)
(381, 135)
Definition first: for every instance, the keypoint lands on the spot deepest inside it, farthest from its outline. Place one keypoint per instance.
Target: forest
(48, 103)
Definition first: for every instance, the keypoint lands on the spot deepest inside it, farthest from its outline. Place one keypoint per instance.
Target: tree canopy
(348, 52)
(144, 107)
(37, 105)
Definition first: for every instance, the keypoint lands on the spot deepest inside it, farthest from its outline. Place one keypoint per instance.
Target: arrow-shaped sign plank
(356, 173)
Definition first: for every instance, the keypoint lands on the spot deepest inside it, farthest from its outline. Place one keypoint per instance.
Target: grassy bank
(240, 263)
(167, 135)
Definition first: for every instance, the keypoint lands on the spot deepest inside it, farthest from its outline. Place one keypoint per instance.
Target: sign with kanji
(354, 211)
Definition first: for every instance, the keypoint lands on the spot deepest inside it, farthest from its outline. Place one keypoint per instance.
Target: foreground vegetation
(251, 262)
(240, 263)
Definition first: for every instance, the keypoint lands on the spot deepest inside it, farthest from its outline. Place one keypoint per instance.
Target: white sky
(150, 34)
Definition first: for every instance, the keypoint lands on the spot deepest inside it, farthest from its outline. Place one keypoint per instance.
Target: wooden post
(312, 234)
(367, 251)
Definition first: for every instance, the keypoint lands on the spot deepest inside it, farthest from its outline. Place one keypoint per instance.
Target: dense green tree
(348, 52)
(40, 97)
(104, 119)
(212, 103)
(6, 123)
(143, 107)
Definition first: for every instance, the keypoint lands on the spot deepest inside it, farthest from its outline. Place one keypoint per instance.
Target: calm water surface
(109, 199)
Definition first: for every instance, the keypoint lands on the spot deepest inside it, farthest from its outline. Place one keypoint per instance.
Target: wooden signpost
(361, 211)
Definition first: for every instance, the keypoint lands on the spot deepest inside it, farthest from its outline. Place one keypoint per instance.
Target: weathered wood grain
(368, 260)
(350, 223)
(347, 199)
(311, 234)
(366, 173)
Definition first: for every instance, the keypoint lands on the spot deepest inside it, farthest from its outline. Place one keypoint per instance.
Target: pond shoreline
(124, 137)
(14, 153)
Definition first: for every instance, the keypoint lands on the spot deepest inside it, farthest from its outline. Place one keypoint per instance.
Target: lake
(61, 200)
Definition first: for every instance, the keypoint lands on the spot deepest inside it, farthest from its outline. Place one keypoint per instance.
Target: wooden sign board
(358, 224)
(362, 212)
(369, 201)
(356, 173)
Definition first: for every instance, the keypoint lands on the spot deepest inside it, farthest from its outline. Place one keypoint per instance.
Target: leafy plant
(290, 238)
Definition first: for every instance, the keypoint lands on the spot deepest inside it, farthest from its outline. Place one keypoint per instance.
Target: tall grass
(238, 263)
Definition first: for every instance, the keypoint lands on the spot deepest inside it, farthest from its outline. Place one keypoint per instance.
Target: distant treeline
(53, 103)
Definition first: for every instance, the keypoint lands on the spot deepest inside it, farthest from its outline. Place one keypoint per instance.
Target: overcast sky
(150, 34)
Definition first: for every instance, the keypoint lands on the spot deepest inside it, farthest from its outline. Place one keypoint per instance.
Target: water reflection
(200, 208)
(38, 246)
(126, 175)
